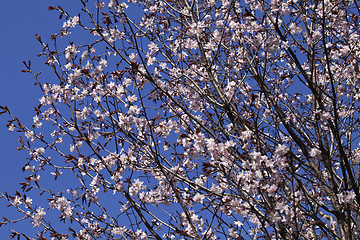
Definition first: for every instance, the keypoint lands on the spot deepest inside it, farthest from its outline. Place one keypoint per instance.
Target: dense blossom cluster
(208, 119)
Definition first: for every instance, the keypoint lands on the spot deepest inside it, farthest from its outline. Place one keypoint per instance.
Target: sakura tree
(195, 119)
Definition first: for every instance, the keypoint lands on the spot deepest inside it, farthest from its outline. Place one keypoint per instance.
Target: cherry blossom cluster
(209, 119)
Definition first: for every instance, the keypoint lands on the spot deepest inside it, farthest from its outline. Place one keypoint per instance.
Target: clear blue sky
(20, 21)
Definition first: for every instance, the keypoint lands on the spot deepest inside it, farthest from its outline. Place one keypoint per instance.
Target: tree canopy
(195, 119)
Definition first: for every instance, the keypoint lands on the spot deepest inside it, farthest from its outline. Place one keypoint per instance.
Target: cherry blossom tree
(195, 119)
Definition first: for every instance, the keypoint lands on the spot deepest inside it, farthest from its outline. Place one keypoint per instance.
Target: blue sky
(20, 21)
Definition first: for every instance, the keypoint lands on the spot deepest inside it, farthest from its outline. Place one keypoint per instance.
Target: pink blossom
(315, 153)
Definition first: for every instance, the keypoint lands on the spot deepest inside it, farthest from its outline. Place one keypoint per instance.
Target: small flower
(28, 202)
(153, 48)
(37, 122)
(346, 197)
(40, 150)
(103, 63)
(85, 55)
(11, 127)
(38, 216)
(29, 134)
(118, 230)
(281, 150)
(315, 153)
(198, 198)
(17, 201)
